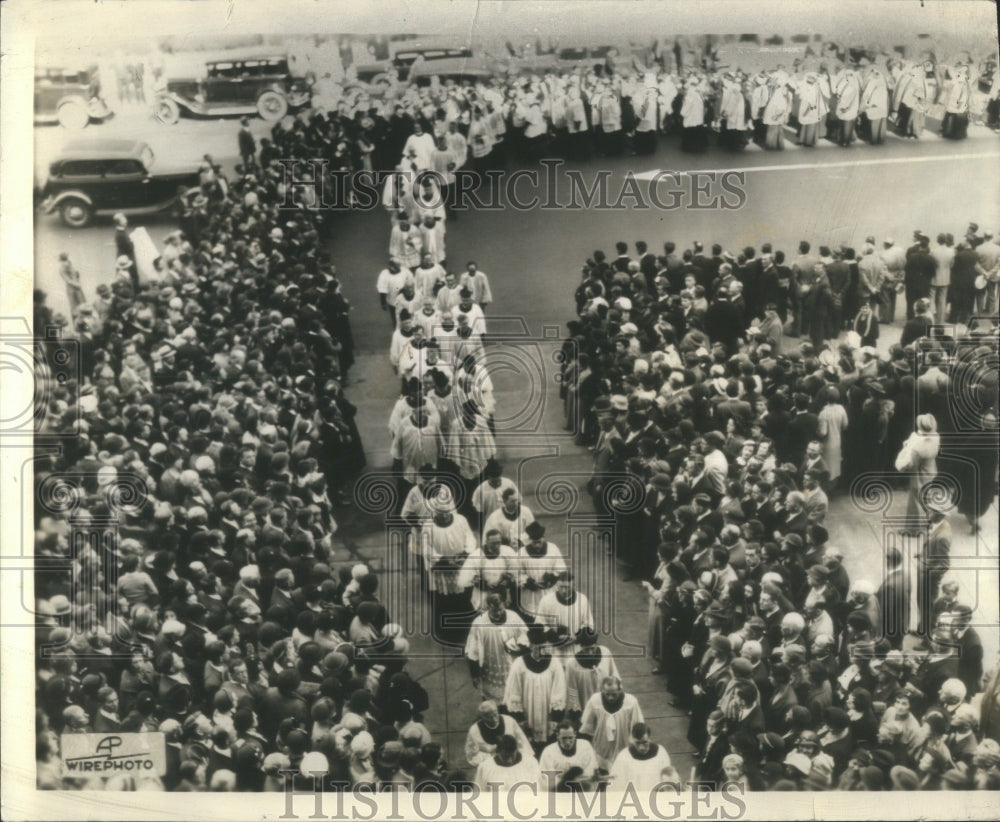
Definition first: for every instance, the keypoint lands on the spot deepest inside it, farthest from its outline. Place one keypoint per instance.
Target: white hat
(443, 502)
(623, 303)
(172, 627)
(630, 329)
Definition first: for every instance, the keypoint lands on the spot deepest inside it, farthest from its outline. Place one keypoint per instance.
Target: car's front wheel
(272, 106)
(167, 111)
(73, 115)
(76, 213)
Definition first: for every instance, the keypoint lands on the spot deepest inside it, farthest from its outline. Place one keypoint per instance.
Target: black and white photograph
(557, 410)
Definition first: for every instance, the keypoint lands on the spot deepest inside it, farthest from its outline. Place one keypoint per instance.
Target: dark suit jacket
(801, 429)
(893, 598)
(970, 660)
(753, 723)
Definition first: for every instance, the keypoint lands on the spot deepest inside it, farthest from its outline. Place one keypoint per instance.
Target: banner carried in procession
(145, 254)
(114, 753)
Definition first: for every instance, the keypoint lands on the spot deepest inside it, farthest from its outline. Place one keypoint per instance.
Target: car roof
(101, 149)
(248, 58)
(69, 68)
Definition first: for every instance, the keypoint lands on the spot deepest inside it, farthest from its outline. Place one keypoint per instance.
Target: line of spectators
(210, 420)
(794, 675)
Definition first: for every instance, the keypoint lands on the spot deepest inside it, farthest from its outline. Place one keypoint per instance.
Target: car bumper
(48, 205)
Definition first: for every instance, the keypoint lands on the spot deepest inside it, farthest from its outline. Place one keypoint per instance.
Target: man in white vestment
(608, 718)
(536, 690)
(494, 638)
(481, 741)
(644, 765)
(540, 563)
(508, 767)
(569, 763)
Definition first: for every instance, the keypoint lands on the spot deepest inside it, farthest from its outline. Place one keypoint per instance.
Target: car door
(86, 176)
(128, 183)
(220, 83)
(249, 84)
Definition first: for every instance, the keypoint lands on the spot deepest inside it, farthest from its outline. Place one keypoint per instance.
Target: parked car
(69, 96)
(235, 86)
(100, 177)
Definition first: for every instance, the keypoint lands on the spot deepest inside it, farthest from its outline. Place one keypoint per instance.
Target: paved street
(533, 259)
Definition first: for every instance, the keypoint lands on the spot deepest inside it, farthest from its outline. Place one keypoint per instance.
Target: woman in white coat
(832, 426)
(918, 458)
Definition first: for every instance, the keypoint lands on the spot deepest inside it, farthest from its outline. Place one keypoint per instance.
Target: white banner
(107, 754)
(145, 253)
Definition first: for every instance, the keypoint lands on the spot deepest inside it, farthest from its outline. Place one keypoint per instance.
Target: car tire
(73, 115)
(272, 106)
(167, 111)
(75, 212)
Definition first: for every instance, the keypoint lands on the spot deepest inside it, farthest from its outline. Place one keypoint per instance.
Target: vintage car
(235, 86)
(418, 62)
(69, 96)
(100, 177)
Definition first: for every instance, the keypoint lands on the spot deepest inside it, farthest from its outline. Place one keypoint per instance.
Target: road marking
(650, 175)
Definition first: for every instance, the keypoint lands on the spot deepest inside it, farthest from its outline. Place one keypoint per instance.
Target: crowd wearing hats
(218, 616)
(189, 581)
(680, 376)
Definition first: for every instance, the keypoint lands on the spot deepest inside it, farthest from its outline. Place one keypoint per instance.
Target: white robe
(812, 104)
(535, 568)
(415, 447)
(524, 771)
(609, 733)
(641, 774)
(486, 499)
(553, 758)
(875, 97)
(438, 541)
(510, 529)
(582, 683)
(693, 109)
(426, 278)
(551, 612)
(848, 92)
(733, 107)
(482, 573)
(423, 145)
(401, 410)
(535, 695)
(478, 750)
(487, 646)
(472, 447)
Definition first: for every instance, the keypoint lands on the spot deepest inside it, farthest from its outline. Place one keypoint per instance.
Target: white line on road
(649, 175)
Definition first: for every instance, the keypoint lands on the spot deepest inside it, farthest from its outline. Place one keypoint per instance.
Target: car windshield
(147, 157)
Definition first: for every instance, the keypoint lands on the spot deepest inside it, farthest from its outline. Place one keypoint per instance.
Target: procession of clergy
(498, 587)
(623, 107)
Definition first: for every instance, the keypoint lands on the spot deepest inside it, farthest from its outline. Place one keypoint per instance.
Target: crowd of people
(213, 449)
(679, 373)
(624, 105)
